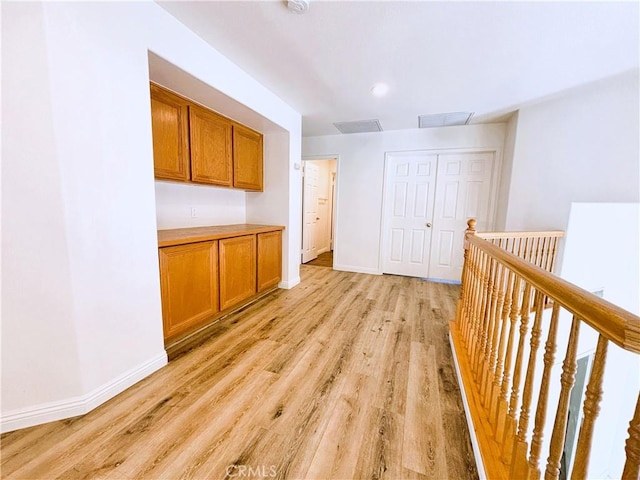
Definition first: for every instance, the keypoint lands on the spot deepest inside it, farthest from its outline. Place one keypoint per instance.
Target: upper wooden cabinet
(193, 143)
(247, 160)
(211, 149)
(170, 128)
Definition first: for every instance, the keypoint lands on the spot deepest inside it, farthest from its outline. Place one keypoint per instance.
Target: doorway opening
(319, 178)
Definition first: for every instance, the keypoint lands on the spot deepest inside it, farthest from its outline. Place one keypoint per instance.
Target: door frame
(336, 201)
(496, 177)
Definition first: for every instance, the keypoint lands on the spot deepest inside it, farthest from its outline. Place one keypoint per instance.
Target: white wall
(360, 180)
(582, 146)
(507, 166)
(37, 297)
(608, 258)
(282, 186)
(81, 315)
(213, 205)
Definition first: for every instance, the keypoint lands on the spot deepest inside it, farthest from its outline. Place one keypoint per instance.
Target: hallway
(345, 376)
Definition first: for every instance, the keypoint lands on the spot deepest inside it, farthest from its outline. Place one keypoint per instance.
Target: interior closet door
(464, 190)
(428, 199)
(408, 209)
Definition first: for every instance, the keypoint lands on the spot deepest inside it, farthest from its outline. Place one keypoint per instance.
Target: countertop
(181, 236)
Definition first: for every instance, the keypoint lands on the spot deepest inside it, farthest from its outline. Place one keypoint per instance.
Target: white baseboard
(352, 268)
(72, 407)
(472, 431)
(289, 283)
(444, 280)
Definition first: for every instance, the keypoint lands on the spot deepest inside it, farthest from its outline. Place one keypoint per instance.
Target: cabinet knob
(428, 225)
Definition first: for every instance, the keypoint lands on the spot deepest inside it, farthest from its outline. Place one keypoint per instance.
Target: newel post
(471, 230)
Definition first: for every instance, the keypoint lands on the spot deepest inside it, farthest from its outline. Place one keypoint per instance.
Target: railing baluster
(632, 447)
(482, 304)
(505, 279)
(593, 396)
(464, 290)
(541, 411)
(510, 427)
(567, 380)
(496, 313)
(519, 456)
(497, 382)
(483, 354)
(492, 323)
(475, 303)
(553, 255)
(471, 291)
(501, 412)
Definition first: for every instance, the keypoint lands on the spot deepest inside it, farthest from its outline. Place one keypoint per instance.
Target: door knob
(428, 225)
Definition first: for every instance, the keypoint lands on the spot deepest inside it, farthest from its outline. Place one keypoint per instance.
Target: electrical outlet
(194, 212)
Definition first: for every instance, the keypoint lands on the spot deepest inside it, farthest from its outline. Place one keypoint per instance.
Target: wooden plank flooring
(345, 376)
(323, 260)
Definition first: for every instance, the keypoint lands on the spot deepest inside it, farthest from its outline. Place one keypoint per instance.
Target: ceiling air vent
(444, 119)
(360, 126)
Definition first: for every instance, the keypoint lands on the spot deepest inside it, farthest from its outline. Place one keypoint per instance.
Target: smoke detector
(298, 6)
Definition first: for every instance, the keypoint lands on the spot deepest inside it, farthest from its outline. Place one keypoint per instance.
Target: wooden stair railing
(507, 288)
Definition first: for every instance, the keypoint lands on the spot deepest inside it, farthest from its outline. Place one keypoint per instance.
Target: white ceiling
(483, 57)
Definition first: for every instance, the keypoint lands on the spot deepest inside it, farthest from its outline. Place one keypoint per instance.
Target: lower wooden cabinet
(237, 270)
(269, 260)
(189, 286)
(208, 272)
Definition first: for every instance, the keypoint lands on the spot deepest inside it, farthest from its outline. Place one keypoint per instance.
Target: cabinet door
(189, 285)
(211, 155)
(237, 270)
(247, 158)
(170, 130)
(269, 260)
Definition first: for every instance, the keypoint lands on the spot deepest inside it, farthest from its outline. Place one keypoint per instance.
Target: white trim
(336, 200)
(288, 284)
(472, 431)
(72, 407)
(443, 280)
(352, 268)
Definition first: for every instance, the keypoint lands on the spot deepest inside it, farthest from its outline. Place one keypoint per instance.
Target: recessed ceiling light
(380, 89)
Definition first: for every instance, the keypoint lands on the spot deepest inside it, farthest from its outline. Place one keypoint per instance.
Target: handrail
(617, 324)
(496, 339)
(518, 234)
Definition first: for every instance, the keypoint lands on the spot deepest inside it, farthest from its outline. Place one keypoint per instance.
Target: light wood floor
(345, 376)
(324, 260)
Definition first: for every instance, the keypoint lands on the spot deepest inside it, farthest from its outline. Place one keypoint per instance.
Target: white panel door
(310, 211)
(408, 209)
(463, 191)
